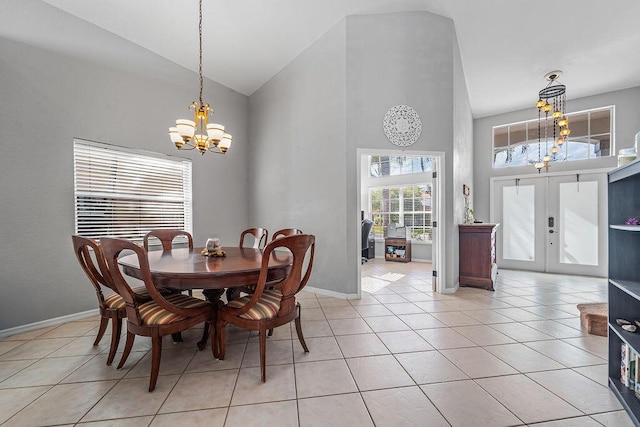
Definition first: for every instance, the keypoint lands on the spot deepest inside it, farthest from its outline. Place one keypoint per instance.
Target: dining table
(184, 269)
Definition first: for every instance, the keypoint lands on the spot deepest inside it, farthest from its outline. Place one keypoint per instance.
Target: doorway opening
(400, 195)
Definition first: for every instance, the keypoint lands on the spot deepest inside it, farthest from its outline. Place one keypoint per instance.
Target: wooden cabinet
(398, 250)
(477, 255)
(624, 277)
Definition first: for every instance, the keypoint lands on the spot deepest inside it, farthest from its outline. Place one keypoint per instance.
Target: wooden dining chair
(285, 232)
(166, 238)
(270, 308)
(162, 315)
(260, 236)
(112, 306)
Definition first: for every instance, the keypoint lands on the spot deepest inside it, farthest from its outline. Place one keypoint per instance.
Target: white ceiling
(506, 45)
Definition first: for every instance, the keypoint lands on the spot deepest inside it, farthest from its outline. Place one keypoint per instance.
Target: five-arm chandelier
(199, 133)
(552, 102)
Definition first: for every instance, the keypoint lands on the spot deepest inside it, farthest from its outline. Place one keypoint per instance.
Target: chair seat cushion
(266, 307)
(152, 314)
(114, 302)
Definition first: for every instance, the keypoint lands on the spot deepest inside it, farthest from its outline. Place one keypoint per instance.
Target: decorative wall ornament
(402, 125)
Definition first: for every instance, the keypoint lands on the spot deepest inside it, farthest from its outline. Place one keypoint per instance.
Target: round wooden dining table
(180, 268)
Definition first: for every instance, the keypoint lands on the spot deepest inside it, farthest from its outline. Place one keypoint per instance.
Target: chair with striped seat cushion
(91, 259)
(163, 315)
(266, 308)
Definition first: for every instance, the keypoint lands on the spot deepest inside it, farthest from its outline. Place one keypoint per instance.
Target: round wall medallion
(402, 125)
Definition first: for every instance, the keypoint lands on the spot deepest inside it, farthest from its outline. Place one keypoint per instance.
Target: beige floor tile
(548, 312)
(487, 316)
(427, 367)
(479, 407)
(277, 353)
(361, 345)
(8, 345)
(483, 335)
(554, 329)
(391, 298)
(597, 373)
(518, 314)
(204, 360)
(404, 308)
(572, 322)
(323, 378)
(433, 306)
(316, 328)
(96, 369)
(308, 302)
(613, 419)
(421, 321)
(455, 318)
(366, 371)
(404, 341)
(280, 385)
(72, 329)
(341, 313)
(34, 349)
(406, 406)
(326, 302)
(62, 404)
(520, 332)
(372, 310)
(45, 372)
(592, 397)
(365, 299)
(13, 400)
(172, 362)
(122, 422)
(386, 324)
(201, 390)
(518, 301)
(445, 338)
(130, 398)
(417, 296)
(349, 326)
(12, 367)
(320, 348)
(338, 410)
(283, 414)
(281, 333)
(207, 417)
(83, 346)
(571, 422)
(463, 305)
(592, 343)
(566, 354)
(477, 362)
(312, 314)
(526, 399)
(25, 336)
(523, 358)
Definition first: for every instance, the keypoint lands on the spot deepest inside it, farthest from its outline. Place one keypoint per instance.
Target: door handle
(551, 231)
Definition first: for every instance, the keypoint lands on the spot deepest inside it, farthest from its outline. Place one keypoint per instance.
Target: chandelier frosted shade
(199, 133)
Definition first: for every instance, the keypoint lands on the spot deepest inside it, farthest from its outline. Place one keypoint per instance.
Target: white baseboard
(328, 293)
(452, 290)
(49, 322)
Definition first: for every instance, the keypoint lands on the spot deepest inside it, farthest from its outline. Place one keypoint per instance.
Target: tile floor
(401, 355)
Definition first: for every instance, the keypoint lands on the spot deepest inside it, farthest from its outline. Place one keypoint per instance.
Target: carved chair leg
(156, 352)
(116, 329)
(214, 341)
(270, 332)
(299, 331)
(263, 351)
(103, 327)
(205, 335)
(127, 348)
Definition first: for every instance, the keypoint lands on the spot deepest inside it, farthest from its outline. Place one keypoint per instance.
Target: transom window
(124, 193)
(381, 166)
(516, 144)
(405, 205)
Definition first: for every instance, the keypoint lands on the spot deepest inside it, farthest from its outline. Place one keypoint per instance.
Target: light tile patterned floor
(401, 355)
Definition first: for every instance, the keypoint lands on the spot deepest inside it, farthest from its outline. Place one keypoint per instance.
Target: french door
(555, 224)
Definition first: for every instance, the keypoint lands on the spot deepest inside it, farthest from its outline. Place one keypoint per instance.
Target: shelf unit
(398, 250)
(624, 276)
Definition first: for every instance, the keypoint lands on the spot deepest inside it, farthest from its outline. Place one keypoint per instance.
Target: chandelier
(552, 102)
(199, 133)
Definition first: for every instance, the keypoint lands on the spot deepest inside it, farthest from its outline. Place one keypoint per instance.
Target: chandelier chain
(200, 65)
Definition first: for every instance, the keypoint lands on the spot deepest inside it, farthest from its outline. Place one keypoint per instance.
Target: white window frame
(125, 193)
(534, 122)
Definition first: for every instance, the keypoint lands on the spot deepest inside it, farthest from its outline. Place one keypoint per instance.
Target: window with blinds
(124, 193)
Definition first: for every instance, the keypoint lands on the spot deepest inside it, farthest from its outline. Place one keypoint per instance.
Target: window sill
(413, 241)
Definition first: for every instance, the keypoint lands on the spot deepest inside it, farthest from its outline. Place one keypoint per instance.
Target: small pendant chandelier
(552, 102)
(199, 133)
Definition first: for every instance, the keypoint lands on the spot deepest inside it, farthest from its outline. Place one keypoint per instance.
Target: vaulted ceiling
(507, 46)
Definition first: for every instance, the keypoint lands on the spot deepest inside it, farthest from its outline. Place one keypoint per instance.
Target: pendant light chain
(200, 67)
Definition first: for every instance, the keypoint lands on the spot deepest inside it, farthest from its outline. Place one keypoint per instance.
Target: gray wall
(47, 100)
(627, 124)
(297, 160)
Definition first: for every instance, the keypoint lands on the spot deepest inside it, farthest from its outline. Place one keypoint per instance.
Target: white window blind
(124, 193)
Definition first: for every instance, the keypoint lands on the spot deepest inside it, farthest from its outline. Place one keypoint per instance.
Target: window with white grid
(124, 193)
